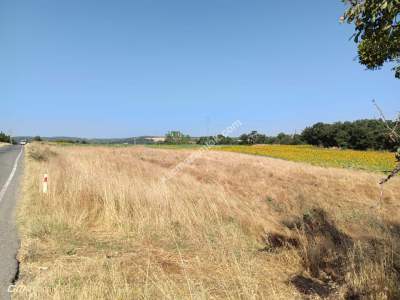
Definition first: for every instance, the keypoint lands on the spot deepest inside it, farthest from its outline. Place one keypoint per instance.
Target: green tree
(176, 137)
(207, 140)
(319, 134)
(4, 138)
(244, 139)
(377, 31)
(284, 139)
(252, 138)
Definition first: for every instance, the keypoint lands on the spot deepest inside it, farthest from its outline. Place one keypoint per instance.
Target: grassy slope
(110, 228)
(380, 161)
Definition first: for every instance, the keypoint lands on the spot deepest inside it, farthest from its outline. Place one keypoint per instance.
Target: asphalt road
(11, 165)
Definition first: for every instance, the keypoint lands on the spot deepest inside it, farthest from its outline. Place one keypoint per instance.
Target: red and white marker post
(45, 183)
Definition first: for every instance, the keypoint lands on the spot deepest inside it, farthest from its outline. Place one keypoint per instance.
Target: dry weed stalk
(395, 137)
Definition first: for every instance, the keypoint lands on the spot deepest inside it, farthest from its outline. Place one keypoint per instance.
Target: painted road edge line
(10, 178)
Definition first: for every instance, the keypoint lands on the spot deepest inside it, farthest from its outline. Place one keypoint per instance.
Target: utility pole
(208, 125)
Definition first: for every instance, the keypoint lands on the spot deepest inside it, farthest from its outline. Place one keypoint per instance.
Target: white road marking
(10, 178)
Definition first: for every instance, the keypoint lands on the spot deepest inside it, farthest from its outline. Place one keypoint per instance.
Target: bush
(40, 153)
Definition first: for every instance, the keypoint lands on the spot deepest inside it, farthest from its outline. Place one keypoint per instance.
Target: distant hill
(141, 140)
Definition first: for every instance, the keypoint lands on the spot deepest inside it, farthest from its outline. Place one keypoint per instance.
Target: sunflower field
(327, 157)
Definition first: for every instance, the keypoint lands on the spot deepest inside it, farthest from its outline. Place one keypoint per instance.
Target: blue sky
(98, 68)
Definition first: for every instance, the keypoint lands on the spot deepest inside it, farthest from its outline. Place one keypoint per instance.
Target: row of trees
(359, 135)
(217, 140)
(251, 138)
(258, 138)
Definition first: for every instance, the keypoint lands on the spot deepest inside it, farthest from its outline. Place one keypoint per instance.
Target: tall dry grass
(226, 226)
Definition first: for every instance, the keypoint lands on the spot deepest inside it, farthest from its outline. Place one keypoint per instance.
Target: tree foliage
(255, 137)
(176, 137)
(359, 135)
(216, 140)
(377, 31)
(251, 138)
(4, 138)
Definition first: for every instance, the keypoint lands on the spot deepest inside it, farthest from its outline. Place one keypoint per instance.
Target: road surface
(11, 161)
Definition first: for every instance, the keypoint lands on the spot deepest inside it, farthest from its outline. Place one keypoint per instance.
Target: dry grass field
(227, 226)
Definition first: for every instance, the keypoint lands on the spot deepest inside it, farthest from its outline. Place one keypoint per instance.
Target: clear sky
(102, 68)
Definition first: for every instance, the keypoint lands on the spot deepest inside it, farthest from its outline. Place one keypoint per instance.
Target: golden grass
(110, 229)
(364, 160)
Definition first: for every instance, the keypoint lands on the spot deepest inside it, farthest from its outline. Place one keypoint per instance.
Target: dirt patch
(309, 286)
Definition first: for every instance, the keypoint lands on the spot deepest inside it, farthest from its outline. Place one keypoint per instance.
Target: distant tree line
(251, 138)
(67, 141)
(217, 140)
(258, 138)
(358, 135)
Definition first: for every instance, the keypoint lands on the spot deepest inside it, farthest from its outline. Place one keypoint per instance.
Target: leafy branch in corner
(377, 31)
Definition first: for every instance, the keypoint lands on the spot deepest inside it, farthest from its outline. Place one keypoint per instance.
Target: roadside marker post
(45, 183)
